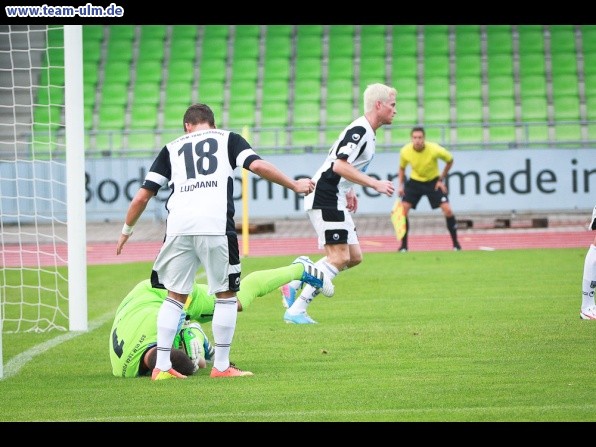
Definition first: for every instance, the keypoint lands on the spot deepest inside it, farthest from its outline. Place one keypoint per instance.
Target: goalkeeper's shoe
(593, 223)
(232, 371)
(288, 295)
(171, 373)
(315, 277)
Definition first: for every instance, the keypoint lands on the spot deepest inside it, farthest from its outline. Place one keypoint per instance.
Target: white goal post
(43, 278)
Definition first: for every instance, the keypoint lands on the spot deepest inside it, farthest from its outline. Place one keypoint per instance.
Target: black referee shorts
(415, 190)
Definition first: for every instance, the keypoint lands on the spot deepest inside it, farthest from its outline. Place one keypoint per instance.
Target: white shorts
(180, 257)
(333, 227)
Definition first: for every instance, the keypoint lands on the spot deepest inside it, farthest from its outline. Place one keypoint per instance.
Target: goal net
(42, 191)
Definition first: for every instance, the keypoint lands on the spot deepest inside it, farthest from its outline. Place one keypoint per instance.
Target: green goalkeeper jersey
(134, 329)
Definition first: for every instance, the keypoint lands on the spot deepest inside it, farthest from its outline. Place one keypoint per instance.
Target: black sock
(404, 240)
(452, 227)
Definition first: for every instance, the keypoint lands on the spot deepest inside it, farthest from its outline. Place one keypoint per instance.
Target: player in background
(588, 308)
(133, 337)
(199, 169)
(334, 198)
(424, 156)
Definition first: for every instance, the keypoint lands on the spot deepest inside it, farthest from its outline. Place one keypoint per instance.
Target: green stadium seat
(339, 112)
(341, 30)
(592, 132)
(340, 68)
(566, 108)
(468, 87)
(407, 111)
(500, 87)
(243, 91)
(436, 87)
(173, 115)
(244, 69)
(469, 110)
(470, 134)
(534, 108)
(278, 46)
(119, 50)
(499, 40)
(407, 88)
(400, 135)
(274, 113)
(116, 71)
(108, 140)
(143, 117)
(562, 39)
(307, 90)
(90, 73)
(180, 92)
(436, 111)
(404, 44)
(306, 113)
(142, 143)
(308, 68)
(310, 30)
(183, 48)
(276, 90)
(468, 65)
(149, 70)
(436, 65)
(241, 114)
(531, 64)
(373, 67)
(404, 29)
(209, 91)
(589, 64)
(501, 110)
(122, 32)
(247, 31)
(214, 48)
(305, 138)
(568, 132)
(216, 32)
(185, 32)
(370, 30)
(52, 76)
(280, 30)
(372, 45)
(563, 63)
(340, 89)
(588, 39)
(217, 108)
(147, 93)
(435, 43)
(92, 33)
(111, 117)
(531, 39)
(276, 69)
(309, 46)
(151, 49)
(533, 85)
(209, 69)
(535, 133)
(565, 85)
(467, 40)
(590, 85)
(404, 67)
(271, 138)
(88, 117)
(52, 95)
(178, 70)
(504, 134)
(92, 52)
(341, 45)
(48, 115)
(154, 32)
(246, 48)
(500, 64)
(114, 93)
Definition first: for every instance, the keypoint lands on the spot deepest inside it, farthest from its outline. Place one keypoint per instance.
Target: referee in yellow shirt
(425, 180)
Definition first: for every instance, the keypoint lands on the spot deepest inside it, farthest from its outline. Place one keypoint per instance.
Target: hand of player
(304, 186)
(351, 201)
(385, 187)
(440, 185)
(121, 241)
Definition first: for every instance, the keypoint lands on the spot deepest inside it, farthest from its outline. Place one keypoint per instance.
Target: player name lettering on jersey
(197, 185)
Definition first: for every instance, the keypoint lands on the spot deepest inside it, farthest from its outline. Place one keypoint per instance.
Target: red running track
(105, 253)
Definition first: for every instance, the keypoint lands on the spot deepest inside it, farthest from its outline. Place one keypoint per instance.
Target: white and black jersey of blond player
(357, 145)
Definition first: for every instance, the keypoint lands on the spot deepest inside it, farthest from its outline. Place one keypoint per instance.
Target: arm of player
(270, 172)
(135, 210)
(349, 172)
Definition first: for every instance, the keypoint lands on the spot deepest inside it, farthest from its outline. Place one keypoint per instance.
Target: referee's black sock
(452, 227)
(404, 240)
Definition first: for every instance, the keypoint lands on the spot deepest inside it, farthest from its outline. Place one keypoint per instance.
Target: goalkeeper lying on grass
(133, 337)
